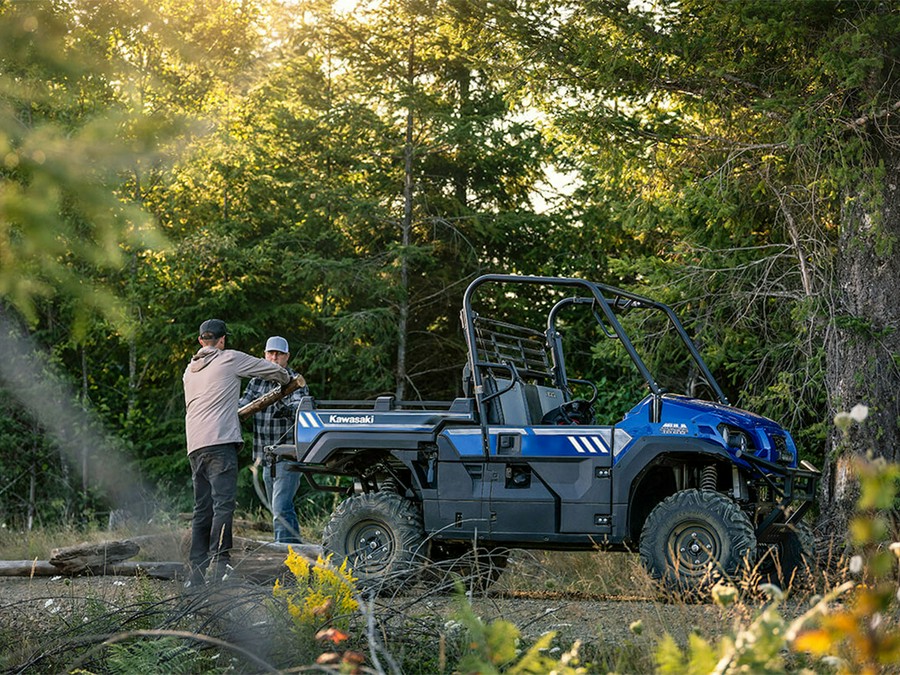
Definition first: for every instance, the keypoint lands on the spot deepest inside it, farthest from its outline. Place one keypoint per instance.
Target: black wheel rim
(370, 547)
(694, 547)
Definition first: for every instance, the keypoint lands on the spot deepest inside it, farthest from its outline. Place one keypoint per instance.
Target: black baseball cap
(213, 328)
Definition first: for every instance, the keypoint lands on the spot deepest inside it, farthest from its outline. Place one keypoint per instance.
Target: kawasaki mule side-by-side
(533, 454)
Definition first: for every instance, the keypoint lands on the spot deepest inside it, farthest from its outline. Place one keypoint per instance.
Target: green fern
(163, 655)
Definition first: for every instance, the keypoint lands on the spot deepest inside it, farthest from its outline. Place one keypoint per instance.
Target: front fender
(645, 453)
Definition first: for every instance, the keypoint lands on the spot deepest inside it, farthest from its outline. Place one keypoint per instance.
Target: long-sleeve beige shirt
(212, 389)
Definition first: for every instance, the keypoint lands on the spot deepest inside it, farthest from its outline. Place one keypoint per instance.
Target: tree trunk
(406, 229)
(863, 342)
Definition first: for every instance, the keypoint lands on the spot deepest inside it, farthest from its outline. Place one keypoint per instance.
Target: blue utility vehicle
(530, 457)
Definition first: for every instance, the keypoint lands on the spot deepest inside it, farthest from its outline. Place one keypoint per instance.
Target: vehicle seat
(524, 404)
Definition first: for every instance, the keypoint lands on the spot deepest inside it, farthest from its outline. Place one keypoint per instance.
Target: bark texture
(863, 342)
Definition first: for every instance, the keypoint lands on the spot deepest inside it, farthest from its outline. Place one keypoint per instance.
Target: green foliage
(62, 219)
(494, 648)
(756, 648)
(713, 149)
(163, 654)
(700, 658)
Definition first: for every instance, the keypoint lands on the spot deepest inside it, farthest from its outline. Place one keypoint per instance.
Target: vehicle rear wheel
(792, 557)
(477, 567)
(694, 538)
(381, 536)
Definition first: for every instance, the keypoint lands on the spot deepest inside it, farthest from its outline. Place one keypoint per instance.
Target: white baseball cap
(277, 344)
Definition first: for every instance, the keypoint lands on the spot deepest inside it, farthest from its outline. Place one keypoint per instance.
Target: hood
(203, 358)
(711, 407)
(700, 409)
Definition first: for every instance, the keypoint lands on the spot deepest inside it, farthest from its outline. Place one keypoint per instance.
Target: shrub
(321, 603)
(494, 648)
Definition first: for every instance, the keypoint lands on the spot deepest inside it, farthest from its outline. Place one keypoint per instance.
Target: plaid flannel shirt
(275, 424)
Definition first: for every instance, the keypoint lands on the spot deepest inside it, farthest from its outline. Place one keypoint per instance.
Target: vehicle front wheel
(694, 538)
(382, 537)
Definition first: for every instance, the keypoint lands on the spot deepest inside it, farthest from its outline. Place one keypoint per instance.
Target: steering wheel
(579, 411)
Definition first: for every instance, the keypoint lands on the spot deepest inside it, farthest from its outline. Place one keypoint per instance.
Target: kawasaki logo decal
(669, 428)
(351, 419)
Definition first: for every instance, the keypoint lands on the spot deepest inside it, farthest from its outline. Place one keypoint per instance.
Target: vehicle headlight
(735, 438)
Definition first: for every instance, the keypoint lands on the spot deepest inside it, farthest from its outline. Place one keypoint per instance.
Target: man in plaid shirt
(274, 426)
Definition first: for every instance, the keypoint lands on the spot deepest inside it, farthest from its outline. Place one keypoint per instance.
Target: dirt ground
(25, 603)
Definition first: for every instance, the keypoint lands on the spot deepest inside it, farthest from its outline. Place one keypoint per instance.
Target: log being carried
(264, 402)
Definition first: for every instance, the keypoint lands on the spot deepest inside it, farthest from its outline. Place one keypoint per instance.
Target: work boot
(222, 574)
(195, 580)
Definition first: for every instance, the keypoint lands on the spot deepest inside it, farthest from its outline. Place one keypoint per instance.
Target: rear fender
(333, 447)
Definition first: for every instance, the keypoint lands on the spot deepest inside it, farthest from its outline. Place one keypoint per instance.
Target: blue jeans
(214, 471)
(280, 492)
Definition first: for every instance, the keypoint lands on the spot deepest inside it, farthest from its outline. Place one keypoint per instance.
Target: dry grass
(598, 574)
(595, 597)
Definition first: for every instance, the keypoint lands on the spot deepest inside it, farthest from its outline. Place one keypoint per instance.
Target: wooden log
(264, 560)
(266, 400)
(251, 559)
(159, 546)
(256, 547)
(27, 568)
(154, 570)
(44, 568)
(88, 557)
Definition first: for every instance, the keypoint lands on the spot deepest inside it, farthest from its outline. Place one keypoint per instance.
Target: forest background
(338, 172)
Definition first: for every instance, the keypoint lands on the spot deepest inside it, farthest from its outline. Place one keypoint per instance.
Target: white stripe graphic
(302, 420)
(581, 444)
(312, 420)
(599, 444)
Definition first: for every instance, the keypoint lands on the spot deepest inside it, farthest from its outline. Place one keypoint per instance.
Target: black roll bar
(608, 299)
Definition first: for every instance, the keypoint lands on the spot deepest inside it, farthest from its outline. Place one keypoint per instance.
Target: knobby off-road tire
(382, 537)
(475, 567)
(792, 560)
(694, 538)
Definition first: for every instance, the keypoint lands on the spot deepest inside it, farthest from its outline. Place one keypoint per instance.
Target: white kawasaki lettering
(351, 419)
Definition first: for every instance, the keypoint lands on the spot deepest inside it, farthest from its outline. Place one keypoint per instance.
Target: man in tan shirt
(212, 386)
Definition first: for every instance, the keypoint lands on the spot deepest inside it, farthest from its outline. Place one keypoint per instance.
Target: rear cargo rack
(525, 350)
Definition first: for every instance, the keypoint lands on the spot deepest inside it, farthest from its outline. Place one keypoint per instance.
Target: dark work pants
(214, 472)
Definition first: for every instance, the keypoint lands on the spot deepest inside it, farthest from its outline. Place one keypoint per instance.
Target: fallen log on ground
(44, 568)
(89, 557)
(264, 561)
(253, 560)
(27, 568)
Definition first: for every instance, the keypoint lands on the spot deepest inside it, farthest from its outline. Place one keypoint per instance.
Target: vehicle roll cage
(605, 302)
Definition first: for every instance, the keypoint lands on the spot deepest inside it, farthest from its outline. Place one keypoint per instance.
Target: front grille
(782, 454)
